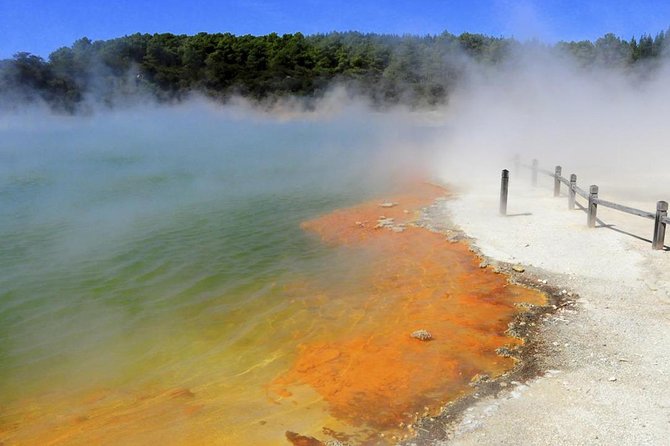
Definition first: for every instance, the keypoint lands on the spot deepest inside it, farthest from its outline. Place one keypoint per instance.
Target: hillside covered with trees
(389, 69)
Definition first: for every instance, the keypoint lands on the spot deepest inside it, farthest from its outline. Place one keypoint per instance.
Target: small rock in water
(388, 204)
(518, 268)
(389, 222)
(422, 335)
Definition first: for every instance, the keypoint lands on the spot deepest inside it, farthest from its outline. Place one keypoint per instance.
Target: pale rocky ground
(606, 375)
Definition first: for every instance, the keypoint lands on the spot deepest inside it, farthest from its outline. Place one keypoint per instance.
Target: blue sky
(42, 26)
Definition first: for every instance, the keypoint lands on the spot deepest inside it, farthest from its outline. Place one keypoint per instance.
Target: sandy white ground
(607, 380)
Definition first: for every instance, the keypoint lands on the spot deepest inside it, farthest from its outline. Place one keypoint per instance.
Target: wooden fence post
(533, 178)
(504, 185)
(571, 192)
(659, 225)
(557, 181)
(593, 206)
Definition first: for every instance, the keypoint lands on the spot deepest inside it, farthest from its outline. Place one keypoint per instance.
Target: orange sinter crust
(375, 373)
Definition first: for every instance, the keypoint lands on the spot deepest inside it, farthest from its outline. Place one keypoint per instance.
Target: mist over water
(115, 224)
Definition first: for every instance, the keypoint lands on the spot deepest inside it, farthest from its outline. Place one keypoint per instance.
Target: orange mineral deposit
(368, 367)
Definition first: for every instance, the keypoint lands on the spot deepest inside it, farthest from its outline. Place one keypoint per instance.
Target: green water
(124, 232)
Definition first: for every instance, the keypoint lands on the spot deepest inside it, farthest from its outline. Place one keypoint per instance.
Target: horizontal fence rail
(626, 209)
(581, 192)
(660, 217)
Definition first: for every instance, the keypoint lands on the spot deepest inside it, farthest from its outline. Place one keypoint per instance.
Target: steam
(606, 124)
(122, 193)
(537, 102)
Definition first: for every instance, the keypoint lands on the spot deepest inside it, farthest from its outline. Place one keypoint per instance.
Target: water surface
(159, 284)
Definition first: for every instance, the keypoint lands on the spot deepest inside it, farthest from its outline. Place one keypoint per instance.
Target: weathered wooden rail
(660, 217)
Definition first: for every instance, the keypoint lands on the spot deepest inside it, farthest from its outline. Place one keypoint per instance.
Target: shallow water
(157, 286)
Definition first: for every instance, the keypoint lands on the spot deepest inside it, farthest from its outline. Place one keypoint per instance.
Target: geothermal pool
(193, 275)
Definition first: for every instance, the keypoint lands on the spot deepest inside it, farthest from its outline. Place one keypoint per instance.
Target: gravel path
(606, 377)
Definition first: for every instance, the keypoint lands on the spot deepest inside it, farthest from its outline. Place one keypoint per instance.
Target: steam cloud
(598, 121)
(606, 125)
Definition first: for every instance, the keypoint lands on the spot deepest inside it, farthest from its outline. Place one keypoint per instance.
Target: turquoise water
(121, 231)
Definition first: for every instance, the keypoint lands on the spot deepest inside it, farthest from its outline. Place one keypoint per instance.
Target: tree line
(389, 69)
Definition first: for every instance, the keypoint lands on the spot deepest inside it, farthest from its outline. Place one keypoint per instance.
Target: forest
(418, 71)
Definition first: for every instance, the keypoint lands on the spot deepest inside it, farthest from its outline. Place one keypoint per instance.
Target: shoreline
(469, 329)
(592, 370)
(525, 326)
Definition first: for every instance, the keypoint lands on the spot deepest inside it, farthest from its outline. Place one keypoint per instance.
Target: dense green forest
(389, 69)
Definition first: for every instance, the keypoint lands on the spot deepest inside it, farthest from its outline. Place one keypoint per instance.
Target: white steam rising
(606, 125)
(599, 122)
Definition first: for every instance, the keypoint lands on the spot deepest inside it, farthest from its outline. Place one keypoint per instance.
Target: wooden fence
(660, 217)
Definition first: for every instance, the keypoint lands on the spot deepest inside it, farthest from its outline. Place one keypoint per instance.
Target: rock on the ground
(422, 335)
